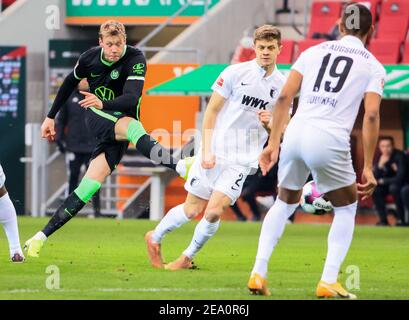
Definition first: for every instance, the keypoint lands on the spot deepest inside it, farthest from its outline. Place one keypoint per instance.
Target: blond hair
(112, 28)
(267, 32)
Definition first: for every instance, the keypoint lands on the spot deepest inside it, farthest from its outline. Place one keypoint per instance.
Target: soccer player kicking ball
(233, 136)
(333, 78)
(116, 74)
(8, 219)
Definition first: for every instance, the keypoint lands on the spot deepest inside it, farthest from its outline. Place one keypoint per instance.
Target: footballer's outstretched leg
(97, 171)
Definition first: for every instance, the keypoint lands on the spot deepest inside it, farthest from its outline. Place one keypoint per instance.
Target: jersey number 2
(342, 75)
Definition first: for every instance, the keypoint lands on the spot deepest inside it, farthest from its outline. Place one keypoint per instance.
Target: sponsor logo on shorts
(194, 182)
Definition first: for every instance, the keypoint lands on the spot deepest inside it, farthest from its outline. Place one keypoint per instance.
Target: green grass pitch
(106, 259)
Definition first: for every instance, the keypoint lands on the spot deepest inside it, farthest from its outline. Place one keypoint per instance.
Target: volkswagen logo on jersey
(273, 92)
(104, 93)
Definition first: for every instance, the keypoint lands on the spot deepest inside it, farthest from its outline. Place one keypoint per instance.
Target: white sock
(271, 231)
(339, 240)
(181, 167)
(40, 236)
(8, 219)
(203, 232)
(175, 218)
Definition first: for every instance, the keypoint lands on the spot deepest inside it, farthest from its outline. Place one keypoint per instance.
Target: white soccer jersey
(336, 75)
(2, 177)
(239, 136)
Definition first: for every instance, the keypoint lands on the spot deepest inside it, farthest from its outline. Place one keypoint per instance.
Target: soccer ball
(313, 201)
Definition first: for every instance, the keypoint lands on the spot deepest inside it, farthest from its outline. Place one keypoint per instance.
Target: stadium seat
(305, 44)
(385, 50)
(6, 3)
(393, 20)
(373, 6)
(287, 52)
(405, 58)
(243, 54)
(324, 15)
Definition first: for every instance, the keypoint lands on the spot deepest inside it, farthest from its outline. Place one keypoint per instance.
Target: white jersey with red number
(239, 136)
(336, 75)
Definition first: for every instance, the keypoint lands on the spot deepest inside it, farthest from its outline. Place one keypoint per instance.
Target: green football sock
(72, 205)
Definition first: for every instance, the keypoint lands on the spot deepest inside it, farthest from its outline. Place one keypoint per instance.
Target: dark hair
(363, 25)
(390, 138)
(267, 32)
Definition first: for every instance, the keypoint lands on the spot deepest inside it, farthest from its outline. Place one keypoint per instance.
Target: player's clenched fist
(208, 161)
(368, 185)
(264, 117)
(268, 159)
(47, 129)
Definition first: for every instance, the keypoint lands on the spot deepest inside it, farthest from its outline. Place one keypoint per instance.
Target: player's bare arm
(209, 120)
(370, 132)
(269, 155)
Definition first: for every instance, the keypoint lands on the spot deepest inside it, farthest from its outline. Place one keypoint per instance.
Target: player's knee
(192, 210)
(213, 214)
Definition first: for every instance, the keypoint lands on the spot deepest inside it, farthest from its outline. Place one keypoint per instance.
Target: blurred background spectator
(390, 170)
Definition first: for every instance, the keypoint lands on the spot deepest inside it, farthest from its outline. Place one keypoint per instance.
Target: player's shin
(175, 218)
(148, 146)
(271, 231)
(8, 219)
(339, 241)
(203, 232)
(72, 205)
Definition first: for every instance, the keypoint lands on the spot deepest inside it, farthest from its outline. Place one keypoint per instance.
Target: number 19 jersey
(336, 75)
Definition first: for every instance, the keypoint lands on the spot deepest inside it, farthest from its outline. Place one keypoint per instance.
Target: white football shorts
(225, 178)
(306, 148)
